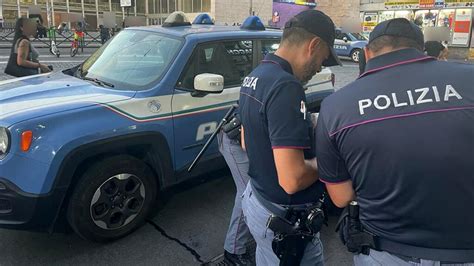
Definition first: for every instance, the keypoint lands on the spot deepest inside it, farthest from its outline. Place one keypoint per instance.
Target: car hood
(42, 92)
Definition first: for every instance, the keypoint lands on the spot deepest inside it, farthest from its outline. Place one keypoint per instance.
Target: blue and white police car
(94, 145)
(349, 44)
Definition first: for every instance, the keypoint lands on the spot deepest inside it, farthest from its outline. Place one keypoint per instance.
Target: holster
(291, 229)
(353, 236)
(233, 128)
(290, 248)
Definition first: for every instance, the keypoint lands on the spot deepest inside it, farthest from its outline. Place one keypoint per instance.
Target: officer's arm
(294, 172)
(289, 136)
(341, 194)
(332, 166)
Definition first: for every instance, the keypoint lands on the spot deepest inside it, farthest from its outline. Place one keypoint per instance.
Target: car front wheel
(112, 199)
(355, 55)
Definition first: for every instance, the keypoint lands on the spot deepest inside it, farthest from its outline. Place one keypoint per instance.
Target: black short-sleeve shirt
(404, 134)
(273, 113)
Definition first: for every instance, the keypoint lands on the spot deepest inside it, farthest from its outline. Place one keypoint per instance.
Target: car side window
(339, 35)
(231, 59)
(269, 46)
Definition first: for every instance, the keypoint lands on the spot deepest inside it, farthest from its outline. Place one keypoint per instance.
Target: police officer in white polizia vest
(283, 185)
(397, 146)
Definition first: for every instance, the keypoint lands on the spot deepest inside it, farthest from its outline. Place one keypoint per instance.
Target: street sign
(125, 3)
(427, 3)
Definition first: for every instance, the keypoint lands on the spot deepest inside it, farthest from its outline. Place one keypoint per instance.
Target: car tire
(112, 199)
(355, 55)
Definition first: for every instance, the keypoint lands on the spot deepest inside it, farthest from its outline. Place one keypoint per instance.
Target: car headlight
(4, 142)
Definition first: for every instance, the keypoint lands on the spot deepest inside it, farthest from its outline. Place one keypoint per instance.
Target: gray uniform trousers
(238, 234)
(256, 216)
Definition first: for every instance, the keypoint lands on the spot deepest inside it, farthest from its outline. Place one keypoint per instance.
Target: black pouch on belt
(232, 128)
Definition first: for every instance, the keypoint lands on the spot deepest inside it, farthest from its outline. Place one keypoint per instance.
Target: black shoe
(234, 259)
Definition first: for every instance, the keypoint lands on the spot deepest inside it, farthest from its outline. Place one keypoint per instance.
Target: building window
(164, 6)
(206, 6)
(187, 6)
(172, 6)
(197, 6)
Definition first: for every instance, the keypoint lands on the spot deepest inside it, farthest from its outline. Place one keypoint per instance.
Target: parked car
(93, 146)
(349, 44)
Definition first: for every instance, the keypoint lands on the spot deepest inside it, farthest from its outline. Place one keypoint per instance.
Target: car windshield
(359, 37)
(131, 60)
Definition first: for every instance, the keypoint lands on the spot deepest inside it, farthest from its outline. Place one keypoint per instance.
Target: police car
(94, 145)
(349, 44)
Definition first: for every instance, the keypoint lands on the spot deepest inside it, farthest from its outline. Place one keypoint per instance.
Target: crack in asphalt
(188, 248)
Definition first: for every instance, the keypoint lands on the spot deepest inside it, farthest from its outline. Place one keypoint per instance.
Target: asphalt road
(190, 226)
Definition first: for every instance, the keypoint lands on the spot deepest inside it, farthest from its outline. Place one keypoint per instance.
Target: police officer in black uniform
(276, 134)
(399, 144)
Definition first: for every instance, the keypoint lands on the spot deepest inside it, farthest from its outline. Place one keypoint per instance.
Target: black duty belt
(360, 240)
(408, 253)
(278, 209)
(415, 260)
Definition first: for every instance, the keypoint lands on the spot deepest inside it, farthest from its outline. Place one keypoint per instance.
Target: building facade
(153, 11)
(450, 18)
(444, 20)
(341, 11)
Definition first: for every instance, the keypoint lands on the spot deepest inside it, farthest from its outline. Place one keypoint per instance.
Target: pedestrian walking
(104, 34)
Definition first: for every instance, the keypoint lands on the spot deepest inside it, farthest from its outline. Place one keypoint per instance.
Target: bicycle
(77, 43)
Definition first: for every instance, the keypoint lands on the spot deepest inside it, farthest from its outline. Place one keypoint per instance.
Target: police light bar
(253, 23)
(176, 19)
(203, 19)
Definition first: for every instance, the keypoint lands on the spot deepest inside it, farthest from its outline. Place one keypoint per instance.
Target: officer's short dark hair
(296, 35)
(394, 42)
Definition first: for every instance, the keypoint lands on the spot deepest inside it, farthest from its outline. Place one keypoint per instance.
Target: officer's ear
(368, 54)
(314, 44)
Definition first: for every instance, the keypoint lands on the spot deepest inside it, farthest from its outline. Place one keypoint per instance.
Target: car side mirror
(345, 39)
(207, 83)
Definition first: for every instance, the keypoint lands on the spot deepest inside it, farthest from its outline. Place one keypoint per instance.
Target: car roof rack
(176, 19)
(203, 19)
(253, 23)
